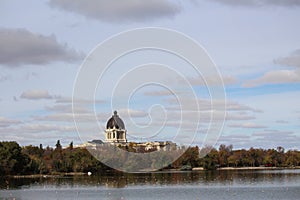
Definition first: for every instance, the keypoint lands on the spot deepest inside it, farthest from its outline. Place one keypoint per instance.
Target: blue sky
(255, 45)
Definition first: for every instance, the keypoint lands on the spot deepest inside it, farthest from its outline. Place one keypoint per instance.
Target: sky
(253, 43)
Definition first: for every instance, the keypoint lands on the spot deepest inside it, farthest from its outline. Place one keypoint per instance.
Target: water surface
(268, 184)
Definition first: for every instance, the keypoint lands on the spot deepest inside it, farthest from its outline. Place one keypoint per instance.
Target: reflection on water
(167, 184)
(122, 180)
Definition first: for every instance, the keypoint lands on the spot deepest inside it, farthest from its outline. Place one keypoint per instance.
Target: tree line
(15, 159)
(38, 160)
(225, 156)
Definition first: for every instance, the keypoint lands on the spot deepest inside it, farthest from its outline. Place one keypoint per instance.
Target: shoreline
(58, 175)
(246, 168)
(49, 175)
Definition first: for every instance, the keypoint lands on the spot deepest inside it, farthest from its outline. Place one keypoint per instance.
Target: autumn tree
(224, 153)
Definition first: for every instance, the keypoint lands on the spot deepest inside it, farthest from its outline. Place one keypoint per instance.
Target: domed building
(115, 130)
(115, 134)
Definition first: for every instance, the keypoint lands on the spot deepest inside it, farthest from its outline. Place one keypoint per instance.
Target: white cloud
(238, 117)
(282, 121)
(190, 119)
(67, 117)
(265, 138)
(78, 101)
(65, 114)
(235, 112)
(59, 117)
(292, 60)
(208, 105)
(67, 108)
(210, 81)
(128, 113)
(235, 106)
(20, 47)
(257, 3)
(247, 125)
(158, 93)
(34, 133)
(279, 76)
(117, 11)
(36, 95)
(235, 139)
(276, 137)
(5, 122)
(36, 128)
(275, 77)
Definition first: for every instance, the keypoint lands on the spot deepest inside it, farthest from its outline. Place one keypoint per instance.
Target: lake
(258, 184)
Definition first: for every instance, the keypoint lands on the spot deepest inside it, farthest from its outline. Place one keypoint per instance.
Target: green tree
(210, 161)
(33, 151)
(12, 161)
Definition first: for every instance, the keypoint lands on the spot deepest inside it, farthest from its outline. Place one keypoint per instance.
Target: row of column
(115, 135)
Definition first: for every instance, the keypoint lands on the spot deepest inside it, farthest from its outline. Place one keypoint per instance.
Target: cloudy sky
(254, 43)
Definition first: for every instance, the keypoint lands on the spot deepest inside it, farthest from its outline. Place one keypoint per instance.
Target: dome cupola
(115, 122)
(115, 130)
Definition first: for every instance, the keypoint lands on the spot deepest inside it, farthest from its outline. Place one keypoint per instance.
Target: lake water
(270, 184)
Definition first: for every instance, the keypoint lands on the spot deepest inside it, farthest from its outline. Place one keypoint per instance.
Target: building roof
(115, 121)
(96, 142)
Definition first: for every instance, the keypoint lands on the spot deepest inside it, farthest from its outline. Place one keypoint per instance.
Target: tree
(292, 158)
(281, 157)
(57, 157)
(210, 161)
(190, 158)
(33, 151)
(34, 159)
(58, 145)
(234, 160)
(71, 146)
(224, 153)
(12, 161)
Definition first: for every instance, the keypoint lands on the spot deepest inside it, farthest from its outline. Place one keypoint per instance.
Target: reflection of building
(115, 130)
